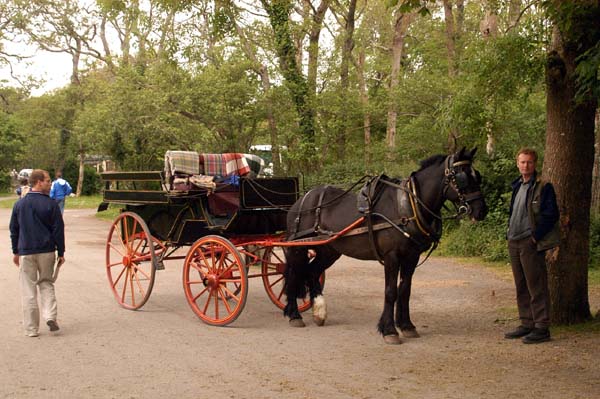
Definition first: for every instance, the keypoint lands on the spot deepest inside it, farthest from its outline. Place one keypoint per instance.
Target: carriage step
(159, 265)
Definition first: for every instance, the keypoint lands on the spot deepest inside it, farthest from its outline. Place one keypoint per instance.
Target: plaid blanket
(181, 162)
(224, 164)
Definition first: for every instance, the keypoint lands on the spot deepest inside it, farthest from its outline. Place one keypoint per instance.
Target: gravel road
(164, 350)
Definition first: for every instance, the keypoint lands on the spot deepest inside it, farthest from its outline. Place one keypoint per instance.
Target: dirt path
(104, 351)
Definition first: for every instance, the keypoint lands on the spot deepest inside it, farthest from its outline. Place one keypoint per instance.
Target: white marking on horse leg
(319, 310)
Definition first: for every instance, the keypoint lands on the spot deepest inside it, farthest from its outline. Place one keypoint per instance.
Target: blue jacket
(36, 226)
(60, 189)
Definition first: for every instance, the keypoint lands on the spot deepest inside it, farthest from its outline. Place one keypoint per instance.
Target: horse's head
(463, 184)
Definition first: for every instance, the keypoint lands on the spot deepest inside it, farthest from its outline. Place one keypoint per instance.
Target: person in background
(36, 233)
(23, 189)
(60, 190)
(533, 229)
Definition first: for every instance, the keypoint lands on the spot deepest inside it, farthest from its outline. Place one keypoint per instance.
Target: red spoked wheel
(130, 260)
(273, 268)
(215, 280)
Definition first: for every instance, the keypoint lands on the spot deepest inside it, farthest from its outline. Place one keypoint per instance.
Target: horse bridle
(459, 181)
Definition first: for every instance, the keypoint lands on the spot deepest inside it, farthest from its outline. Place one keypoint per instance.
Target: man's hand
(60, 261)
(16, 260)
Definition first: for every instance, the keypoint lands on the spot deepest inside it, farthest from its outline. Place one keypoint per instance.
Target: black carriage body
(257, 206)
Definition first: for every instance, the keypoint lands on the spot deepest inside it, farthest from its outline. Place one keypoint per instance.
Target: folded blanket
(224, 164)
(181, 162)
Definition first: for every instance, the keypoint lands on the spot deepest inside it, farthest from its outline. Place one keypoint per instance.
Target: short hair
(58, 174)
(36, 176)
(24, 181)
(527, 151)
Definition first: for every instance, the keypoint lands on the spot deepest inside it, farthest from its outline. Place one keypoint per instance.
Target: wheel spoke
(131, 286)
(139, 284)
(121, 240)
(140, 242)
(119, 277)
(110, 244)
(195, 299)
(140, 270)
(224, 299)
(276, 281)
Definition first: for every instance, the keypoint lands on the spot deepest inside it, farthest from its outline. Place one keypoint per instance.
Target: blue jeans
(61, 205)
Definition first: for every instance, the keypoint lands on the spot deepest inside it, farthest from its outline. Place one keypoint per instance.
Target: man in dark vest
(532, 229)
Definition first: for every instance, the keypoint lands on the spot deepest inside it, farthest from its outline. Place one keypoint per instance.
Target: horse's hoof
(410, 333)
(393, 339)
(319, 310)
(297, 323)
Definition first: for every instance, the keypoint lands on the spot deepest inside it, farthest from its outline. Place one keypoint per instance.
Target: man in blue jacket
(37, 232)
(60, 190)
(532, 229)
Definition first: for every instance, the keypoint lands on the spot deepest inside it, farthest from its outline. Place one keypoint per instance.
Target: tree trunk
(273, 135)
(489, 25)
(569, 158)
(452, 66)
(450, 39)
(364, 99)
(514, 11)
(402, 21)
(81, 172)
(347, 48)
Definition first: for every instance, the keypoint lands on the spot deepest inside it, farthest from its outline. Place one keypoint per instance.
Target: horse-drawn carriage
(236, 228)
(229, 220)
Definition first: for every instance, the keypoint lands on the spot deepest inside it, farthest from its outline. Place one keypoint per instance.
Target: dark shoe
(536, 336)
(52, 325)
(519, 332)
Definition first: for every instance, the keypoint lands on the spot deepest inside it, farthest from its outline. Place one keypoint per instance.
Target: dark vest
(552, 239)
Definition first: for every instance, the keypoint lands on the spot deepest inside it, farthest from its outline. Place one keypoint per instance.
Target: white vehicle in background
(24, 174)
(265, 152)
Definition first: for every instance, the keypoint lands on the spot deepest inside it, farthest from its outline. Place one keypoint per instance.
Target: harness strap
(316, 228)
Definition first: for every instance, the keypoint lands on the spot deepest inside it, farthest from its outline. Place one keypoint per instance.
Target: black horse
(402, 219)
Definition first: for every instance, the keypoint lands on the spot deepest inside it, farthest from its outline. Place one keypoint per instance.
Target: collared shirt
(519, 227)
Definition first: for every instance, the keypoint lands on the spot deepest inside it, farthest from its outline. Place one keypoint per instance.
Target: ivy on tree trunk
(279, 13)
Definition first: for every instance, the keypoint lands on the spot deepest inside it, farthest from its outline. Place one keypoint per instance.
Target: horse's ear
(460, 153)
(473, 151)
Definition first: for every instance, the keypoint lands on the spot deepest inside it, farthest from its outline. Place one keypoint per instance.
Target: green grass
(110, 214)
(594, 277)
(589, 327)
(83, 202)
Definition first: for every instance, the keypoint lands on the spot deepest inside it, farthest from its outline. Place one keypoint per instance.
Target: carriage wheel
(215, 281)
(273, 267)
(130, 260)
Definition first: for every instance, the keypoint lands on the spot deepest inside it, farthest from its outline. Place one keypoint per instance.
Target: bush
(5, 181)
(486, 239)
(594, 262)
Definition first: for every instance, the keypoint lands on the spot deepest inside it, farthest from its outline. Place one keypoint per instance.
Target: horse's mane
(432, 160)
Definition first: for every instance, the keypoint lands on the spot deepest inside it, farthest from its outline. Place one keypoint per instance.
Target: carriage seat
(218, 174)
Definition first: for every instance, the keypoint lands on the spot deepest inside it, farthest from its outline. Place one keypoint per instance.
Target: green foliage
(91, 179)
(594, 261)
(5, 181)
(486, 239)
